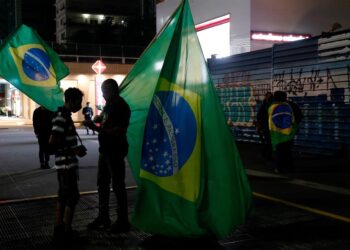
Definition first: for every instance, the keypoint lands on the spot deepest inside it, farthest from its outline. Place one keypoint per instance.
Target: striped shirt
(63, 127)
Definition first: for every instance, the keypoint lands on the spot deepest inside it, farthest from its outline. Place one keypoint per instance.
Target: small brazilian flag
(191, 181)
(30, 65)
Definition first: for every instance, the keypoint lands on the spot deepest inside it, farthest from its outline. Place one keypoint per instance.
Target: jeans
(112, 168)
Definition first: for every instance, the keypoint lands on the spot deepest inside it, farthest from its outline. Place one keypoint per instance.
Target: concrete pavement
(304, 204)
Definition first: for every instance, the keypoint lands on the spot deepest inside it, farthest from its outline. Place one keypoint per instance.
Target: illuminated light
(118, 78)
(214, 37)
(273, 37)
(86, 15)
(212, 23)
(158, 65)
(82, 78)
(99, 67)
(101, 17)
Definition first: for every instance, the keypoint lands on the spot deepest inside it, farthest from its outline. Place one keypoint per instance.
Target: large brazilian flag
(30, 65)
(191, 181)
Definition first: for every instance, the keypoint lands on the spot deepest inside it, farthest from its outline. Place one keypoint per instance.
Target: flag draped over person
(191, 181)
(34, 68)
(282, 123)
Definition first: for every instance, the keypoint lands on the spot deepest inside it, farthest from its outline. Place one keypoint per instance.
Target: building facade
(29, 12)
(16, 106)
(105, 22)
(8, 18)
(258, 24)
(81, 32)
(228, 24)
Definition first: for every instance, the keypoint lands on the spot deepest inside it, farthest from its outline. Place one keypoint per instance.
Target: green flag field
(191, 181)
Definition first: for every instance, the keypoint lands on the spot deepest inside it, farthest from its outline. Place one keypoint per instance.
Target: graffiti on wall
(309, 82)
(240, 95)
(238, 103)
(314, 73)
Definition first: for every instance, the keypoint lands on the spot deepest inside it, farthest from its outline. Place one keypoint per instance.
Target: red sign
(99, 67)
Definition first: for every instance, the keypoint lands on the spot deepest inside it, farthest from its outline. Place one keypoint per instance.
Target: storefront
(15, 106)
(10, 100)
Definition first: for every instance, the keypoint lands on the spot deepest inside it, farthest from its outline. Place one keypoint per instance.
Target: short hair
(112, 84)
(87, 102)
(280, 96)
(72, 94)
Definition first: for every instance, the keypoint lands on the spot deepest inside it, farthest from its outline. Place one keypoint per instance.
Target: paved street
(20, 176)
(308, 209)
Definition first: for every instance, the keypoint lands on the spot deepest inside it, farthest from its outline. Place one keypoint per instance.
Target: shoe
(120, 227)
(99, 222)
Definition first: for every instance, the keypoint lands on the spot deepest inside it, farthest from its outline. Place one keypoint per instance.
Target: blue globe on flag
(170, 134)
(282, 116)
(36, 64)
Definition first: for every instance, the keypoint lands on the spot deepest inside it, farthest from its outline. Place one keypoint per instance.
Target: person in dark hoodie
(262, 126)
(42, 123)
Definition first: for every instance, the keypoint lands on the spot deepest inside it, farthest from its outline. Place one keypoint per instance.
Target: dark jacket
(88, 113)
(115, 114)
(42, 121)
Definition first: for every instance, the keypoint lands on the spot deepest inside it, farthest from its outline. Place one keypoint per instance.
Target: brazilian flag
(282, 124)
(191, 181)
(34, 68)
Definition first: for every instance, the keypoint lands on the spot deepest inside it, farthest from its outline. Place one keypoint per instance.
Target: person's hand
(80, 150)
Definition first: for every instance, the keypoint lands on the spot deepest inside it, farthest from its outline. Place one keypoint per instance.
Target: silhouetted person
(284, 118)
(42, 123)
(88, 114)
(114, 122)
(262, 126)
(64, 139)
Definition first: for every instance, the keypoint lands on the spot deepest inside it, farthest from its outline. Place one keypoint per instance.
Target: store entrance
(10, 101)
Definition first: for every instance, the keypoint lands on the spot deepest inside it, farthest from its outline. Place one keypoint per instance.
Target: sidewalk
(29, 225)
(330, 170)
(13, 122)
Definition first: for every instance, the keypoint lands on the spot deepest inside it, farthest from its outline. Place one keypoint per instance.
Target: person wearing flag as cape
(114, 121)
(284, 119)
